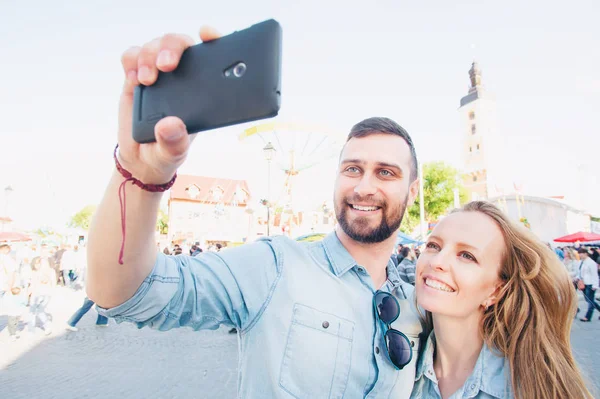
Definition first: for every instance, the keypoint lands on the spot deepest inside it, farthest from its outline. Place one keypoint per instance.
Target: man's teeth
(438, 285)
(365, 208)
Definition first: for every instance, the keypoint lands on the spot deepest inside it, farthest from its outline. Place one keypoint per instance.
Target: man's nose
(365, 186)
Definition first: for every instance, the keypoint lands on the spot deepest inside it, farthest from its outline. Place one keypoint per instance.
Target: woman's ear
(494, 297)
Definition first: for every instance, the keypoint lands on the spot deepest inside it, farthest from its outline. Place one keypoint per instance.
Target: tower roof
(476, 88)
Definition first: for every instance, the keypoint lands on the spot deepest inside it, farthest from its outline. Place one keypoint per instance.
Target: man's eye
(386, 173)
(352, 169)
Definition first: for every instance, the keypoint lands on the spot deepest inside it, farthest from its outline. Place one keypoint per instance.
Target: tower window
(474, 178)
(473, 129)
(470, 149)
(472, 115)
(477, 147)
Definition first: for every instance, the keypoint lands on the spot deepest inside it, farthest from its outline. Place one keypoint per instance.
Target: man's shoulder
(264, 248)
(589, 261)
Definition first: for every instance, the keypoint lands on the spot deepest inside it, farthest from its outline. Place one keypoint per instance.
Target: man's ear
(413, 192)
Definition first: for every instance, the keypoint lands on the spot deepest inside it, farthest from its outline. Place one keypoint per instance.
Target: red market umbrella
(580, 236)
(13, 236)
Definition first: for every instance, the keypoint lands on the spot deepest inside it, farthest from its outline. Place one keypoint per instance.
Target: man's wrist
(156, 183)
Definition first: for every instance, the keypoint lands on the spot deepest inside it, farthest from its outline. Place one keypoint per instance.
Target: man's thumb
(172, 137)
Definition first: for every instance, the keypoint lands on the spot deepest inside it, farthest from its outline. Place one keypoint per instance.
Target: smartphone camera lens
(239, 70)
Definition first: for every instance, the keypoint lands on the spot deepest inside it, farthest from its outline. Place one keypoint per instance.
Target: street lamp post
(7, 191)
(269, 153)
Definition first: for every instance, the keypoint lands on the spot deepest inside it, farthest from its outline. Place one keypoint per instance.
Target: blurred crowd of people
(28, 277)
(193, 250)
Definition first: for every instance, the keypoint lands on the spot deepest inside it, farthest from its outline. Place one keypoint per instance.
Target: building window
(193, 191)
(470, 149)
(473, 129)
(474, 178)
(472, 115)
(477, 147)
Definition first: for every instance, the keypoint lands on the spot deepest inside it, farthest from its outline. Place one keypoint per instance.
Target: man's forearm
(109, 283)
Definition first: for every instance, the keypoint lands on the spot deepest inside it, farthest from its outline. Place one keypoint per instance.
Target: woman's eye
(468, 256)
(432, 245)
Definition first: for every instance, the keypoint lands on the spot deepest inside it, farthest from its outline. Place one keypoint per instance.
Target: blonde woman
(498, 312)
(571, 263)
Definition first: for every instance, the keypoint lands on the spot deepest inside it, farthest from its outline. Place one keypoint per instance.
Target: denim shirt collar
(339, 258)
(490, 374)
(341, 261)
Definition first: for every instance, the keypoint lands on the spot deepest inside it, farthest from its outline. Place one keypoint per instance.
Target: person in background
(101, 321)
(560, 253)
(588, 273)
(41, 288)
(571, 264)
(406, 268)
(13, 296)
(195, 250)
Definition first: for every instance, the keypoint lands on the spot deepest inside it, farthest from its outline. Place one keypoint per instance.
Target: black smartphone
(230, 80)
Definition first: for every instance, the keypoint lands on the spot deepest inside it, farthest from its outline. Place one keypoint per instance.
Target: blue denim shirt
(304, 313)
(490, 378)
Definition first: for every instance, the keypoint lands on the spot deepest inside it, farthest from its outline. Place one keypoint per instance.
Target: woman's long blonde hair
(530, 324)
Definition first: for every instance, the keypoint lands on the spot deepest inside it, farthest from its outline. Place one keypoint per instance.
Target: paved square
(120, 361)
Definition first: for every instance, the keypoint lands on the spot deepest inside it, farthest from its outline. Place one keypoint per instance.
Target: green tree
(440, 180)
(162, 223)
(83, 218)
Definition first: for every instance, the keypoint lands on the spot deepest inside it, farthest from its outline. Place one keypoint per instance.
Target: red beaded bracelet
(153, 188)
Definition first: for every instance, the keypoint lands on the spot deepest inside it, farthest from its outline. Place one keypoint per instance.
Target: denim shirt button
(361, 270)
(377, 350)
(472, 386)
(325, 324)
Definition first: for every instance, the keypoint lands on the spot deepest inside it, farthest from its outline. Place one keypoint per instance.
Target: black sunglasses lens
(387, 307)
(399, 348)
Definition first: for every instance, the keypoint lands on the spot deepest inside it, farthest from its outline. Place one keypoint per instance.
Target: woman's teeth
(438, 285)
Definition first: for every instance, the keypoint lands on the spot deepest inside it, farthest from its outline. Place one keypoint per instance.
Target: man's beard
(360, 231)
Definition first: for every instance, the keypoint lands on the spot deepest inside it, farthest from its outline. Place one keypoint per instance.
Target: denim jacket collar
(341, 261)
(490, 374)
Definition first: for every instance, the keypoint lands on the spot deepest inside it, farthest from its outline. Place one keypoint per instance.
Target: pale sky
(61, 78)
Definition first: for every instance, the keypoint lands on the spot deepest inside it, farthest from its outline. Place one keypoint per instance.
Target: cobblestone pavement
(120, 361)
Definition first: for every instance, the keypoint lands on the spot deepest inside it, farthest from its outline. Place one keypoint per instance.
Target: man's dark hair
(384, 125)
(405, 251)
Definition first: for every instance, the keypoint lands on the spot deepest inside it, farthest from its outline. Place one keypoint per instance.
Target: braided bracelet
(153, 188)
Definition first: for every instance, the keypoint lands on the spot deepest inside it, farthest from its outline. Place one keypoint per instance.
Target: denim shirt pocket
(318, 353)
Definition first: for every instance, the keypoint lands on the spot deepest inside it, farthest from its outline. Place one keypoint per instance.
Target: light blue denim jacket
(490, 378)
(304, 312)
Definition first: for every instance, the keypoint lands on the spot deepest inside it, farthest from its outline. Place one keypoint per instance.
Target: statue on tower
(475, 75)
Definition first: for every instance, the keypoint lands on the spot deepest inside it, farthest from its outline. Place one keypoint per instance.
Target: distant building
(5, 223)
(209, 210)
(547, 218)
(483, 154)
